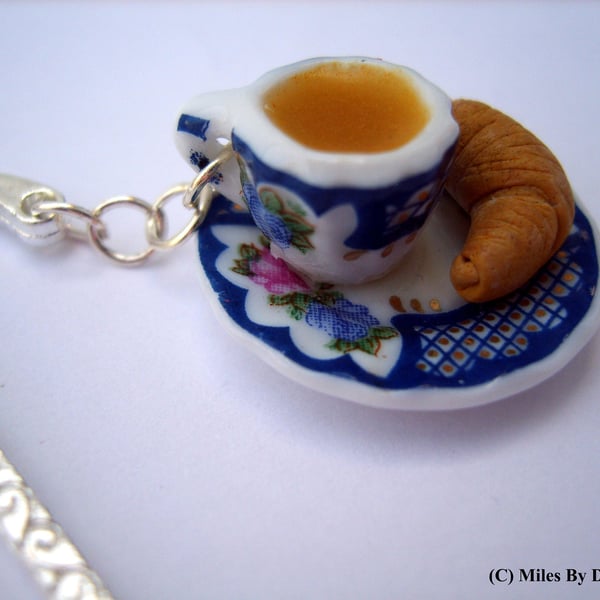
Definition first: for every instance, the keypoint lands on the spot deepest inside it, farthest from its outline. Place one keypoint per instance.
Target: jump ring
(192, 195)
(153, 233)
(96, 237)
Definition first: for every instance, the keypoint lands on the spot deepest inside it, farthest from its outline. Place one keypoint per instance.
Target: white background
(180, 463)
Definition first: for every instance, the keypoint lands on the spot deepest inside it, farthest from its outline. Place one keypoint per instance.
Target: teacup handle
(203, 129)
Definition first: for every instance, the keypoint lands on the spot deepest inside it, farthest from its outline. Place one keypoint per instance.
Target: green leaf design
(302, 243)
(248, 251)
(296, 224)
(295, 207)
(296, 313)
(275, 300)
(271, 201)
(297, 303)
(370, 344)
(243, 265)
(383, 333)
(342, 346)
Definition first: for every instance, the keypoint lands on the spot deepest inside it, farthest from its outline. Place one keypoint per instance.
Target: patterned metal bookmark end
(41, 543)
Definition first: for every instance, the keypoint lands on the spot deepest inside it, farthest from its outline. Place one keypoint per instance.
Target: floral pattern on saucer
(356, 339)
(350, 326)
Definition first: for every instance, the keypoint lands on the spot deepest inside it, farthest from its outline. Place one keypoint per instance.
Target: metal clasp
(40, 214)
(17, 197)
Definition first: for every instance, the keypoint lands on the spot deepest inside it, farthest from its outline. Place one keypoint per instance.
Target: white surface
(180, 464)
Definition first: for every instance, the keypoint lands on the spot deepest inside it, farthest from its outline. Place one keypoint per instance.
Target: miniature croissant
(517, 195)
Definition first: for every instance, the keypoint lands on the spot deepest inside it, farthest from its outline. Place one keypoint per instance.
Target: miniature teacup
(340, 161)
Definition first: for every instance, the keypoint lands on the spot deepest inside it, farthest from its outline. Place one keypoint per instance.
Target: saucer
(406, 341)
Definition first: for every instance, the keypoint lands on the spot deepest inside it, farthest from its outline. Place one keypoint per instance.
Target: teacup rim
(355, 169)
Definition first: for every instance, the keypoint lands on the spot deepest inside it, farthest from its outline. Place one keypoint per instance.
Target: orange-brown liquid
(341, 107)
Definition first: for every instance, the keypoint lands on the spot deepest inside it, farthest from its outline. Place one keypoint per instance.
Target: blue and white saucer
(407, 341)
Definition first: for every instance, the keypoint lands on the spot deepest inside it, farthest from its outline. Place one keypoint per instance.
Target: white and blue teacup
(336, 217)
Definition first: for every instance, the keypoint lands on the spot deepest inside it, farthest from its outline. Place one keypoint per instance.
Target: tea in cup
(340, 161)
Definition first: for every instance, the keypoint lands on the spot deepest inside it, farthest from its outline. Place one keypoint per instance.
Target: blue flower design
(271, 225)
(342, 320)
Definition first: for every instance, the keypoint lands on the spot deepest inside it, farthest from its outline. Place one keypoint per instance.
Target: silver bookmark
(41, 543)
(40, 215)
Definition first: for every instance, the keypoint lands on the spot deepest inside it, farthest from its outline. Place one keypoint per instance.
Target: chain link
(197, 198)
(98, 235)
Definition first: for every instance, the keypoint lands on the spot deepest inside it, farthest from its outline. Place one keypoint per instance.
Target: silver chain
(39, 213)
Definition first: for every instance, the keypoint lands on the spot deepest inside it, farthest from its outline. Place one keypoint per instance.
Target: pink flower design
(275, 276)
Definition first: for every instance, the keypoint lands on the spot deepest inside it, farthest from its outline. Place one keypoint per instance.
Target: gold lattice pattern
(505, 330)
